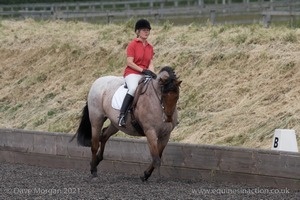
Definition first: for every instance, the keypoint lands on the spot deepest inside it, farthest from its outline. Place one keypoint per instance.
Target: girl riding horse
(139, 62)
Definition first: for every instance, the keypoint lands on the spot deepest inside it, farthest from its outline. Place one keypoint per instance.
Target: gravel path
(31, 182)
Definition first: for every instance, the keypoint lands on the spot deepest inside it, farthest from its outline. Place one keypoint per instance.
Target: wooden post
(53, 12)
(271, 5)
(109, 18)
(224, 3)
(156, 18)
(266, 20)
(162, 4)
(213, 17)
(292, 20)
(176, 4)
(200, 3)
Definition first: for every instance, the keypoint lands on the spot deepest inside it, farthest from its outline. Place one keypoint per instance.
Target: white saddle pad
(118, 97)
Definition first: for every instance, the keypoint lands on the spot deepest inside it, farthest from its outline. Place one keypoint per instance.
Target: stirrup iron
(122, 121)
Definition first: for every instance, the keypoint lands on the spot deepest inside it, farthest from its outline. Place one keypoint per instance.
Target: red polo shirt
(142, 55)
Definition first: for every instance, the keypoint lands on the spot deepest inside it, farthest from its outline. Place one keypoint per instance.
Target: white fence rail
(216, 12)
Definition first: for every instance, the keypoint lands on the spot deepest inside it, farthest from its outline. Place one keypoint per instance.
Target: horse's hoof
(94, 174)
(146, 176)
(93, 179)
(143, 178)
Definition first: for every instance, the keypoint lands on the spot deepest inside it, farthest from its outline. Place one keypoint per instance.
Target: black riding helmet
(142, 23)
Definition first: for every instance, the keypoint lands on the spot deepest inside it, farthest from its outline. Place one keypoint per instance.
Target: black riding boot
(127, 101)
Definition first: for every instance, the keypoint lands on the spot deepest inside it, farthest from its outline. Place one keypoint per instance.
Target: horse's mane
(169, 84)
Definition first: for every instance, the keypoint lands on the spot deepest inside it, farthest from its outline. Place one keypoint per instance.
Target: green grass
(48, 97)
(40, 121)
(16, 107)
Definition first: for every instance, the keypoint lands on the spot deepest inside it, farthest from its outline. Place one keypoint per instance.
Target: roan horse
(154, 109)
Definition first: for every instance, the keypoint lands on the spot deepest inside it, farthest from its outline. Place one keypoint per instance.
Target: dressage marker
(285, 140)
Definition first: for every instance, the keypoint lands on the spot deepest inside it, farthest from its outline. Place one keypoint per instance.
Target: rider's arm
(151, 67)
(134, 66)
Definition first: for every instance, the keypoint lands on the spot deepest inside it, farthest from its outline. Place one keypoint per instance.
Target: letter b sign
(276, 140)
(285, 140)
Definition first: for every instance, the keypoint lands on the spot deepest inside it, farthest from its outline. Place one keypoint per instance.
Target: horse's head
(169, 90)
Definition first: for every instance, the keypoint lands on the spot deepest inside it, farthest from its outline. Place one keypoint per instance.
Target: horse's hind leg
(96, 128)
(104, 136)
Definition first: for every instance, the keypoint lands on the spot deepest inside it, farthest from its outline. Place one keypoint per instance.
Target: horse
(154, 108)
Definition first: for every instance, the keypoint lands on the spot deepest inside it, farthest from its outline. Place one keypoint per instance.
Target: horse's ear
(163, 79)
(177, 83)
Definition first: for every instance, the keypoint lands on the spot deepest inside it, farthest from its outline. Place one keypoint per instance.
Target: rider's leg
(132, 81)
(127, 101)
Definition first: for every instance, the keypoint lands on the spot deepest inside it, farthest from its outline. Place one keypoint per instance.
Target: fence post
(200, 3)
(266, 20)
(224, 4)
(292, 20)
(156, 18)
(213, 17)
(176, 4)
(271, 5)
(53, 12)
(109, 18)
(162, 4)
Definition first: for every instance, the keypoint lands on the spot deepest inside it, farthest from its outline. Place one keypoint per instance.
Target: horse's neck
(152, 88)
(149, 89)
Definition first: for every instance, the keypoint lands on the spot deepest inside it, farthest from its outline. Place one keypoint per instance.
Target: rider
(139, 62)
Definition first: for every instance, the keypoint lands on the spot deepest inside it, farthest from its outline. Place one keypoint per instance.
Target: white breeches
(132, 81)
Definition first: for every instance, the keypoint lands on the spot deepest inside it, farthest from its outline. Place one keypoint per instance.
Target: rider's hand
(149, 73)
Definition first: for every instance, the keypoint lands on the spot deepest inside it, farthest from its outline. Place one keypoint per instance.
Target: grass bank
(239, 82)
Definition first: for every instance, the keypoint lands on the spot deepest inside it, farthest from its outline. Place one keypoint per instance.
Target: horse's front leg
(154, 151)
(160, 145)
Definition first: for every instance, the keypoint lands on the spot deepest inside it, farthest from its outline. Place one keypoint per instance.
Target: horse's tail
(84, 131)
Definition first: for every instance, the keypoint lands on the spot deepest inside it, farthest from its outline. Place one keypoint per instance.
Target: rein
(160, 99)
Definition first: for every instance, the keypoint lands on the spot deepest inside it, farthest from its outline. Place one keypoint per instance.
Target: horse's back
(105, 84)
(102, 90)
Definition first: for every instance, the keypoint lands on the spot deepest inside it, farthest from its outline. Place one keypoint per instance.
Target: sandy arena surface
(20, 181)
